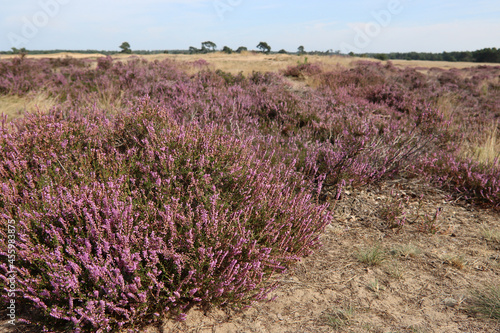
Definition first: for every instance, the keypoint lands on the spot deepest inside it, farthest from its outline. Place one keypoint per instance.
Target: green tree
(282, 51)
(487, 55)
(241, 49)
(193, 50)
(125, 48)
(264, 47)
(208, 45)
(381, 56)
(227, 49)
(301, 50)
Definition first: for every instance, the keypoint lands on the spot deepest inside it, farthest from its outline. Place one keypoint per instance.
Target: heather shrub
(69, 61)
(20, 75)
(267, 78)
(360, 125)
(200, 63)
(467, 179)
(123, 219)
(302, 70)
(229, 78)
(104, 63)
(365, 74)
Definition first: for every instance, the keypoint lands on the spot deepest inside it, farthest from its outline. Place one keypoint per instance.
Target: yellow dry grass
(247, 62)
(446, 104)
(109, 102)
(14, 106)
(438, 64)
(486, 149)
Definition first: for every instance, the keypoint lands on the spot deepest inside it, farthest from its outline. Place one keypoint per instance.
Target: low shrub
(122, 220)
(301, 70)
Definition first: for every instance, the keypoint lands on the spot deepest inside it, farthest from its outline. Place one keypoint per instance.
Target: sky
(375, 26)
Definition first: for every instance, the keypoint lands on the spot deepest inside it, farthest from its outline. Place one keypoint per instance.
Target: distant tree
(465, 56)
(414, 55)
(125, 48)
(300, 50)
(448, 57)
(487, 55)
(193, 50)
(227, 49)
(208, 45)
(241, 49)
(381, 56)
(22, 51)
(282, 51)
(264, 47)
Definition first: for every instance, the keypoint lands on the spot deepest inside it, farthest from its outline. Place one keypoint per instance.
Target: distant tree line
(207, 47)
(483, 55)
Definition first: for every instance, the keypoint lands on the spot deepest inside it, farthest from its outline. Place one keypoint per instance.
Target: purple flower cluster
(126, 217)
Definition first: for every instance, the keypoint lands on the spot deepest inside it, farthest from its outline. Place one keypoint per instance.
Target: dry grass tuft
(372, 256)
(338, 318)
(485, 148)
(488, 150)
(486, 302)
(396, 271)
(455, 261)
(15, 106)
(375, 286)
(489, 234)
(405, 250)
(109, 102)
(447, 106)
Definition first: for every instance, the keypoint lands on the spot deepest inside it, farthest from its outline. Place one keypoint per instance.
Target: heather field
(208, 195)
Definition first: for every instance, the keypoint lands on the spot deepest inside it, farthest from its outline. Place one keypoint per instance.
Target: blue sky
(356, 25)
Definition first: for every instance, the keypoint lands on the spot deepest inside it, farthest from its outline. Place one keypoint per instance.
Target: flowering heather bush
(409, 103)
(301, 70)
(469, 179)
(360, 125)
(122, 219)
(200, 63)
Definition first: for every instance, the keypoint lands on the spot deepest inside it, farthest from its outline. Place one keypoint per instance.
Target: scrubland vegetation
(152, 187)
